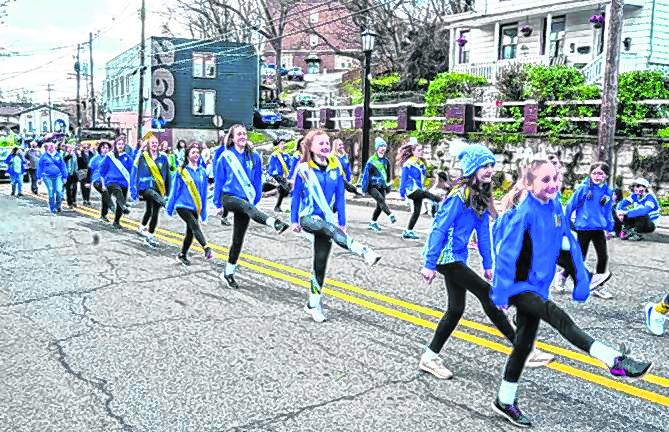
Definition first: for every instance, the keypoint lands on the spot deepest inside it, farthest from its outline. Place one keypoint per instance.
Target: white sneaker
(654, 320)
(371, 257)
(141, 230)
(316, 313)
(539, 358)
(602, 292)
(435, 367)
(599, 279)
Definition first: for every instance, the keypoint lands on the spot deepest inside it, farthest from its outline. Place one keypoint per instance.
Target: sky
(34, 32)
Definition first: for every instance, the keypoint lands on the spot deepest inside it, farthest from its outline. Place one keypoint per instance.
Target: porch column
(607, 27)
(495, 42)
(451, 49)
(547, 37)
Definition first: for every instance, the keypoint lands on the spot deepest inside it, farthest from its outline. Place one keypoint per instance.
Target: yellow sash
(334, 160)
(155, 173)
(190, 184)
(279, 155)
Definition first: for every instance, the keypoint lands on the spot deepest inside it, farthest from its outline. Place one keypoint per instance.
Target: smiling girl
(593, 203)
(115, 177)
(150, 179)
(531, 241)
(318, 183)
(464, 211)
(414, 169)
(238, 188)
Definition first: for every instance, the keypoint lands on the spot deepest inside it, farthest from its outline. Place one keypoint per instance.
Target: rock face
(576, 159)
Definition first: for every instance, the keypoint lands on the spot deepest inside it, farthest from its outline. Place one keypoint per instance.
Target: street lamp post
(368, 39)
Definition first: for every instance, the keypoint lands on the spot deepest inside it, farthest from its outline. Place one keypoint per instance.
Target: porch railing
(489, 70)
(594, 71)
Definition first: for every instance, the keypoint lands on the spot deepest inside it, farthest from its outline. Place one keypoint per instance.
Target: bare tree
(235, 20)
(3, 9)
(412, 38)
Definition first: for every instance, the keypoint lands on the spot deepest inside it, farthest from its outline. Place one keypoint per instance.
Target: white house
(41, 119)
(499, 32)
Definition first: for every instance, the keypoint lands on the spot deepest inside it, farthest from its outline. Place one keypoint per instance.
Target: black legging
(71, 189)
(642, 224)
(379, 195)
(104, 198)
(284, 190)
(85, 192)
(153, 204)
(531, 309)
(417, 197)
(598, 239)
(244, 211)
(120, 193)
(459, 279)
(324, 233)
(192, 229)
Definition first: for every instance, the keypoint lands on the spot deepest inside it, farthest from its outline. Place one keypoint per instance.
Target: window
(287, 61)
(313, 18)
(463, 56)
(30, 126)
(343, 63)
(122, 81)
(313, 40)
(45, 126)
(127, 84)
(108, 85)
(508, 41)
(204, 65)
(556, 37)
(204, 102)
(602, 33)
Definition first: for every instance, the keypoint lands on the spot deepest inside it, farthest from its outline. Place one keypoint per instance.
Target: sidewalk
(395, 203)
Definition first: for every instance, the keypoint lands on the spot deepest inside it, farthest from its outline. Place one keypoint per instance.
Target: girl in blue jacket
(639, 212)
(465, 209)
(188, 196)
(376, 182)
(531, 241)
(238, 188)
(318, 183)
(16, 168)
(150, 179)
(51, 169)
(414, 169)
(94, 178)
(342, 156)
(278, 168)
(115, 177)
(592, 202)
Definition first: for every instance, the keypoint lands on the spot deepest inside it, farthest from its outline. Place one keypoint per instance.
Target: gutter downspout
(652, 31)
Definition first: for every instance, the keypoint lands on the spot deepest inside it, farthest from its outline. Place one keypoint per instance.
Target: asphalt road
(100, 333)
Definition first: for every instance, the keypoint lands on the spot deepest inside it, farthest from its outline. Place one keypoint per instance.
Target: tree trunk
(607, 123)
(276, 44)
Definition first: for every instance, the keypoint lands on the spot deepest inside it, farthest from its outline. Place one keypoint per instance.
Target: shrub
(635, 86)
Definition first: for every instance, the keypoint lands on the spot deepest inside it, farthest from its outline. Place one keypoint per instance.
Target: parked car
(4, 152)
(296, 74)
(264, 117)
(301, 100)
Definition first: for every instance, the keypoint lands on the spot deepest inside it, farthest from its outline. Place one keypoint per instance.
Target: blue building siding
(235, 82)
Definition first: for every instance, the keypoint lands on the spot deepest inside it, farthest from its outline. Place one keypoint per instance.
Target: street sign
(217, 121)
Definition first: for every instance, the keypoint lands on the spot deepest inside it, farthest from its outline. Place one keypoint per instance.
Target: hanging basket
(526, 31)
(461, 41)
(597, 21)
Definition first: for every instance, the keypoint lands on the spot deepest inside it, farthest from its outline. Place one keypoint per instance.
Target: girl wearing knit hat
(464, 210)
(319, 186)
(410, 161)
(376, 182)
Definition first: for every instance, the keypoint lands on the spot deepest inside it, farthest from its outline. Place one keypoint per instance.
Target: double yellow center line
(359, 296)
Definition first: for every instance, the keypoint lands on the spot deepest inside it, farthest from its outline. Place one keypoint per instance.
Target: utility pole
(49, 89)
(90, 53)
(142, 47)
(609, 108)
(77, 69)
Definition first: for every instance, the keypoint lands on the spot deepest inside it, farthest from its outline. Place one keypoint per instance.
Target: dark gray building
(187, 82)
